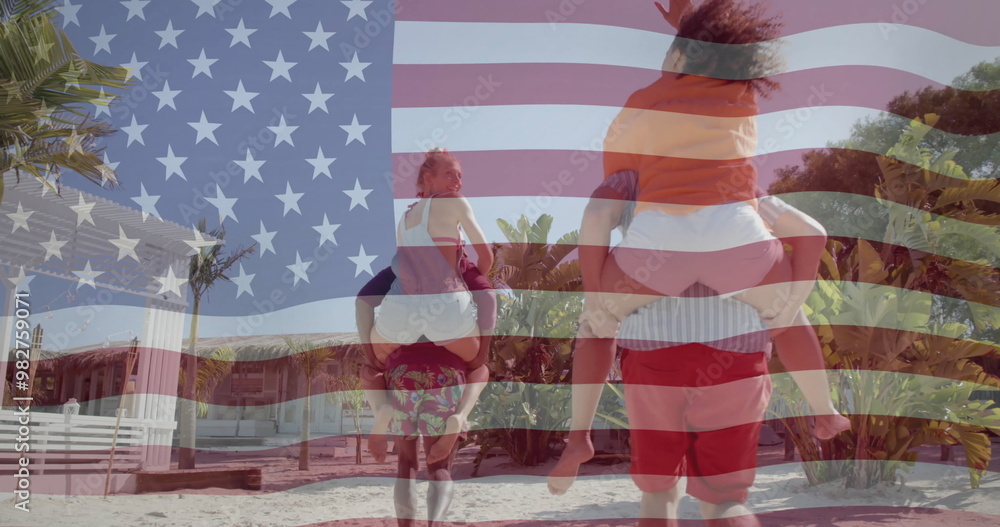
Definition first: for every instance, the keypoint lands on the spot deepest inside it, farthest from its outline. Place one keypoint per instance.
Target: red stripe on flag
(960, 19)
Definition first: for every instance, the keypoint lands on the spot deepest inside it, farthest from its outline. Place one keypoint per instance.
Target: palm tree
(309, 360)
(207, 266)
(44, 83)
(349, 391)
(216, 367)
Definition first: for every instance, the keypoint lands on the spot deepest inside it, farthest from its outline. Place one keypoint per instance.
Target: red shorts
(425, 384)
(695, 411)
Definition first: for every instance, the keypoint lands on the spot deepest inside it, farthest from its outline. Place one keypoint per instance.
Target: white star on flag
(102, 41)
(147, 202)
(199, 242)
(205, 7)
(107, 169)
(355, 68)
(169, 35)
(126, 246)
(319, 37)
(20, 218)
(170, 283)
(280, 6)
(290, 199)
(134, 132)
(317, 99)
(357, 8)
(355, 131)
(243, 282)
(102, 104)
(202, 64)
(172, 164)
(321, 164)
(251, 167)
(241, 98)
(282, 132)
(205, 129)
(53, 247)
(326, 231)
(358, 195)
(265, 239)
(134, 68)
(69, 13)
(224, 204)
(21, 282)
(87, 276)
(83, 211)
(300, 269)
(362, 262)
(166, 96)
(241, 35)
(280, 67)
(135, 8)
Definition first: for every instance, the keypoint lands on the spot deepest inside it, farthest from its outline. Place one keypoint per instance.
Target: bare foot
(378, 443)
(441, 448)
(828, 426)
(728, 514)
(578, 451)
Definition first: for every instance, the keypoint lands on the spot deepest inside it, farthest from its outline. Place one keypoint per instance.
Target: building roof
(31, 213)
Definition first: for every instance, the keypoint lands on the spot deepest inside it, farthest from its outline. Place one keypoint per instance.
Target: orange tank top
(691, 140)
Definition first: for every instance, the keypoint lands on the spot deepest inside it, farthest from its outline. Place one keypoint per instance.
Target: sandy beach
(338, 492)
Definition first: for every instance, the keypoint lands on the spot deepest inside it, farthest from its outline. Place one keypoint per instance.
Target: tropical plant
(210, 372)
(206, 268)
(524, 410)
(347, 389)
(44, 83)
(906, 368)
(311, 362)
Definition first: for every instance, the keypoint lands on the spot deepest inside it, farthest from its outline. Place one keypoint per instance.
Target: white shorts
(442, 318)
(725, 247)
(709, 229)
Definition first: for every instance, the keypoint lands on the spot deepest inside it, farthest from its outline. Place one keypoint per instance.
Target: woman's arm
(467, 220)
(601, 216)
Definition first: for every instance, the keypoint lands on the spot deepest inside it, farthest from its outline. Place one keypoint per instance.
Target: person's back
(424, 267)
(429, 297)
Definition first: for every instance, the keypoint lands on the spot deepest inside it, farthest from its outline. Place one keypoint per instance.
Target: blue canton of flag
(269, 117)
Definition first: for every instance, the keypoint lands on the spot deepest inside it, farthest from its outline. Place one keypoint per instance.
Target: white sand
(608, 496)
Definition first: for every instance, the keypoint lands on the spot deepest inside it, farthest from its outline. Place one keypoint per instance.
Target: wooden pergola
(81, 237)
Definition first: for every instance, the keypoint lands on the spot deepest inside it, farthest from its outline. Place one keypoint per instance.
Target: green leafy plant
(907, 370)
(524, 411)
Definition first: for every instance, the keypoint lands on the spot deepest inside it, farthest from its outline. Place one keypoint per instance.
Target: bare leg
(443, 446)
(729, 514)
(592, 360)
(373, 384)
(621, 295)
(466, 347)
(404, 494)
(659, 509)
(376, 397)
(441, 488)
(799, 349)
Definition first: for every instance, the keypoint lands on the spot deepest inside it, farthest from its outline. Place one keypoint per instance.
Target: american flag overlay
(299, 126)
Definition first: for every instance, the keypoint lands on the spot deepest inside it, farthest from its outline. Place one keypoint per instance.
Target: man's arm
(807, 238)
(476, 236)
